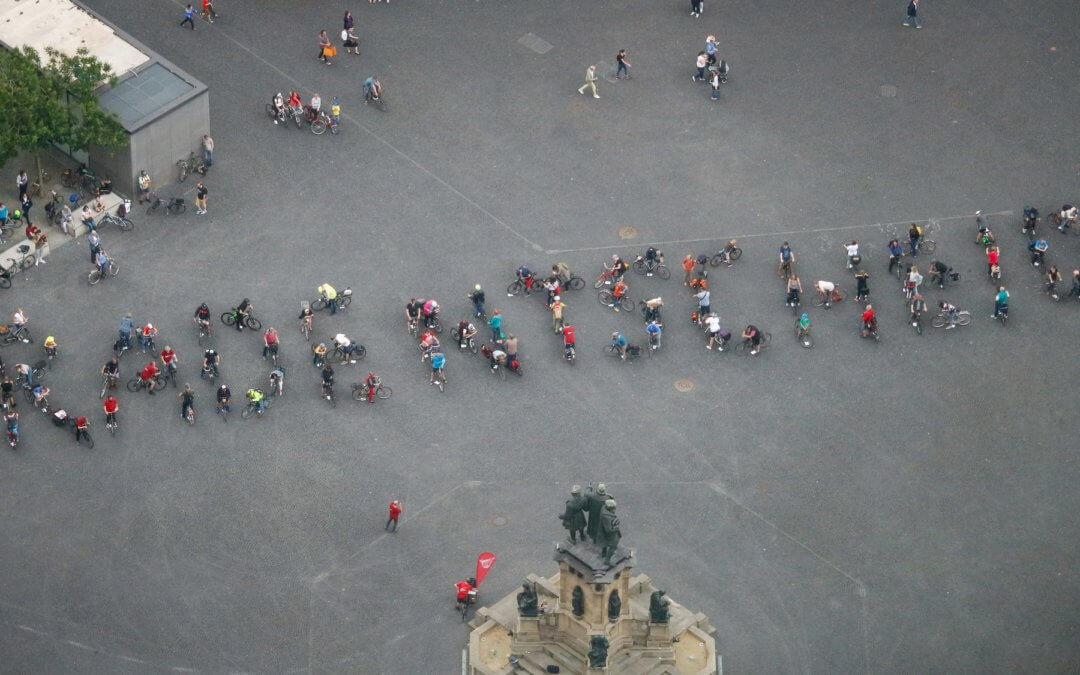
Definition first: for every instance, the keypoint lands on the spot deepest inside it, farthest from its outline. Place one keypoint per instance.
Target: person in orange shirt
(688, 269)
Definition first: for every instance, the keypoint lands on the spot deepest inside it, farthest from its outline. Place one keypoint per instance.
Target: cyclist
(466, 330)
(277, 381)
(561, 271)
(257, 400)
(617, 292)
(993, 255)
(102, 261)
(754, 336)
(1001, 303)
(712, 328)
(653, 257)
(703, 299)
(25, 373)
(916, 308)
(794, 291)
(826, 291)
(463, 589)
(329, 294)
(429, 343)
(372, 383)
(652, 309)
(148, 376)
(430, 310)
(525, 276)
(1068, 217)
(343, 343)
(41, 395)
(111, 406)
(412, 311)
(983, 236)
(211, 361)
(496, 357)
(1038, 251)
(477, 297)
(327, 378)
(938, 270)
(335, 110)
(202, 318)
(511, 347)
(569, 344)
(170, 360)
(146, 336)
(654, 330)
(318, 354)
(1053, 277)
(495, 323)
(187, 402)
(557, 308)
(372, 89)
(896, 251)
(869, 321)
(862, 289)
(7, 393)
(314, 107)
(279, 106)
(50, 346)
(802, 328)
(270, 342)
(618, 341)
(914, 280)
(307, 318)
(787, 260)
(852, 250)
(82, 428)
(950, 311)
(618, 268)
(1031, 218)
(551, 285)
(11, 420)
(224, 396)
(729, 249)
(19, 321)
(914, 233)
(243, 310)
(438, 367)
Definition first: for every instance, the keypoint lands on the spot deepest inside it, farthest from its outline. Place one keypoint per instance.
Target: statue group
(602, 525)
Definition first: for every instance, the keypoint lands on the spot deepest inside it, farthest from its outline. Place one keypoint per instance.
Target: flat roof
(137, 98)
(65, 26)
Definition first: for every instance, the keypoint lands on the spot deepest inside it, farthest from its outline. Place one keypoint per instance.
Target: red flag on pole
(484, 562)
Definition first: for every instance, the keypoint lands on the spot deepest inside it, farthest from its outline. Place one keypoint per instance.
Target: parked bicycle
(190, 165)
(25, 260)
(159, 205)
(123, 222)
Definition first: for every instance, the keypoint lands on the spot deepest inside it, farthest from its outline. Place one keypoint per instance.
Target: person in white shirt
(342, 342)
(852, 253)
(712, 325)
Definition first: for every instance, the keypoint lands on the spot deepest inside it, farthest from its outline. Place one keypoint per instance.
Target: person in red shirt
(111, 407)
(463, 587)
(395, 511)
(372, 382)
(869, 321)
(170, 360)
(991, 259)
(147, 377)
(270, 342)
(81, 426)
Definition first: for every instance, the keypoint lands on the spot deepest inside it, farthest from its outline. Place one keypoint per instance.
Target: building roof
(140, 96)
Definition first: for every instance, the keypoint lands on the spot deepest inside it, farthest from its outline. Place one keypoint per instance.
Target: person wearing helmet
(618, 343)
(202, 317)
(211, 361)
(243, 310)
(224, 396)
(430, 311)
(146, 336)
(477, 297)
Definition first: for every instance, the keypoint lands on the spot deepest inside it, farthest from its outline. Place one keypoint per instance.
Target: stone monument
(592, 617)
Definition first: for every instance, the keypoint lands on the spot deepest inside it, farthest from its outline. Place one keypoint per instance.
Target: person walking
(207, 150)
(22, 181)
(200, 199)
(710, 49)
(395, 513)
(24, 200)
(347, 22)
(695, 8)
(912, 15)
(324, 47)
(350, 41)
(189, 17)
(623, 70)
(590, 81)
(208, 12)
(688, 264)
(144, 187)
(557, 307)
(702, 61)
(94, 240)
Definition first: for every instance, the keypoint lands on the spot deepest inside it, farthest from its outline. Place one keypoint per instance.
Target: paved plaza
(902, 506)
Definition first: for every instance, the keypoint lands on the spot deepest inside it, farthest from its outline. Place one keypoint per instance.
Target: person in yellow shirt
(557, 307)
(329, 293)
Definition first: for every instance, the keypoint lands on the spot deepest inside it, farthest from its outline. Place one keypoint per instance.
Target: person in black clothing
(938, 270)
(477, 297)
(243, 310)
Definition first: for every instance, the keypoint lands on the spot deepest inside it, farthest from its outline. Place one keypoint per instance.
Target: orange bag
(330, 51)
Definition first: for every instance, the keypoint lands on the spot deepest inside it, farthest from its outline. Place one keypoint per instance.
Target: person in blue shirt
(372, 89)
(654, 330)
(495, 323)
(3, 213)
(896, 251)
(124, 328)
(438, 363)
(1001, 303)
(1038, 251)
(787, 260)
(618, 341)
(189, 17)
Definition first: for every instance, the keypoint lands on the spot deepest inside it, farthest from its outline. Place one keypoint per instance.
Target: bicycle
(9, 334)
(305, 327)
(607, 298)
(322, 123)
(923, 245)
(229, 319)
(518, 286)
(223, 410)
(1002, 315)
(606, 278)
(111, 426)
(574, 283)
(434, 324)
(413, 326)
(159, 205)
(643, 307)
(82, 178)
(963, 318)
(204, 329)
(328, 393)
(360, 391)
(802, 335)
(823, 301)
(650, 267)
(108, 382)
(190, 165)
(254, 407)
(82, 433)
(632, 352)
(34, 188)
(785, 269)
(745, 345)
(469, 343)
(38, 372)
(439, 380)
(135, 384)
(344, 299)
(189, 415)
(50, 354)
(353, 355)
(25, 260)
(96, 275)
(280, 116)
(123, 222)
(727, 256)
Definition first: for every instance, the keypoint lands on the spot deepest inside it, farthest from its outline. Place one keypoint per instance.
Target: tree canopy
(54, 102)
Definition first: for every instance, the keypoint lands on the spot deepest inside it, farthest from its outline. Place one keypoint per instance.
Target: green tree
(54, 102)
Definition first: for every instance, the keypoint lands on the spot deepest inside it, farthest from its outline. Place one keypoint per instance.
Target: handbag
(330, 51)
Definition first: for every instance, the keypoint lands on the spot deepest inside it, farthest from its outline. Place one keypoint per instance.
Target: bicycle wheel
(133, 384)
(456, 334)
(735, 254)
(605, 298)
(382, 391)
(5, 281)
(938, 321)
(89, 439)
(318, 127)
(180, 208)
(638, 266)
(766, 338)
(359, 392)
(27, 262)
(515, 288)
(344, 301)
(94, 276)
(610, 350)
(928, 245)
(742, 347)
(663, 272)
(67, 179)
(600, 281)
(473, 346)
(318, 305)
(153, 208)
(125, 224)
(436, 325)
(246, 412)
(270, 112)
(626, 303)
(306, 330)
(228, 318)
(360, 352)
(183, 170)
(114, 269)
(575, 283)
(963, 319)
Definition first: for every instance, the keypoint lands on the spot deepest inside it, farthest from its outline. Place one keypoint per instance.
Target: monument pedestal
(659, 636)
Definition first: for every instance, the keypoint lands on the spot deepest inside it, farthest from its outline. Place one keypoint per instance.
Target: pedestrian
(94, 240)
(207, 150)
(350, 41)
(702, 61)
(557, 307)
(189, 17)
(22, 181)
(695, 8)
(912, 15)
(325, 47)
(714, 82)
(24, 199)
(347, 22)
(208, 12)
(590, 81)
(624, 65)
(395, 512)
(710, 49)
(200, 199)
(144, 186)
(495, 323)
(688, 264)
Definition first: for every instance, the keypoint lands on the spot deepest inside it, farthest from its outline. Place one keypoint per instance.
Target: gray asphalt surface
(894, 507)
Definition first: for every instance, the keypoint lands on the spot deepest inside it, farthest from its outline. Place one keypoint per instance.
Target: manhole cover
(627, 232)
(684, 385)
(888, 91)
(499, 521)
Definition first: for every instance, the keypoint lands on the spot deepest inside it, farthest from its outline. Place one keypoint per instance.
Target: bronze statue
(594, 504)
(658, 607)
(577, 602)
(598, 647)
(526, 600)
(573, 517)
(609, 531)
(614, 606)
